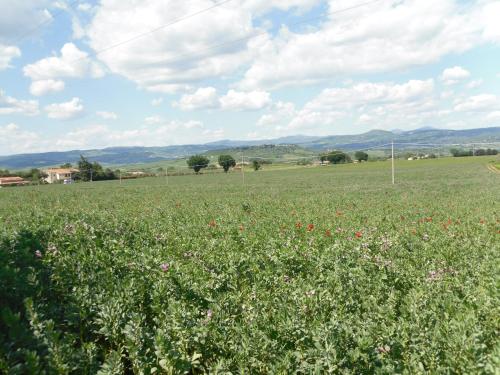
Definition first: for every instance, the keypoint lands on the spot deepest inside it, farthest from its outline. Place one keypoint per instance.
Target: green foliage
(198, 162)
(460, 153)
(307, 270)
(256, 165)
(361, 156)
(226, 162)
(94, 171)
(336, 157)
(66, 165)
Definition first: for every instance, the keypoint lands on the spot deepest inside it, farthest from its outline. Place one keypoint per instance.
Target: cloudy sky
(80, 74)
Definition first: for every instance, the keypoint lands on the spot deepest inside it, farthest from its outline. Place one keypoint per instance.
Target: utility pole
(392, 160)
(120, 176)
(91, 172)
(166, 174)
(242, 171)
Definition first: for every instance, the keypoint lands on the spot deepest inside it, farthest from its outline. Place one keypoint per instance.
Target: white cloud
(10, 105)
(363, 40)
(17, 18)
(279, 113)
(454, 75)
(478, 103)
(14, 140)
(206, 98)
(45, 86)
(245, 101)
(172, 58)
(334, 110)
(474, 84)
(65, 111)
(203, 98)
(153, 120)
(7, 53)
(107, 115)
(73, 63)
(495, 116)
(156, 102)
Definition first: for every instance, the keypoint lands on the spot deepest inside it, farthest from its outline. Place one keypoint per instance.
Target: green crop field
(307, 270)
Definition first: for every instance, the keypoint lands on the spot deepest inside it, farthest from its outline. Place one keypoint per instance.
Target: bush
(256, 165)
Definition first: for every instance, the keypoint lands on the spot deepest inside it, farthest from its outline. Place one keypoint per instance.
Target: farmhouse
(12, 181)
(59, 174)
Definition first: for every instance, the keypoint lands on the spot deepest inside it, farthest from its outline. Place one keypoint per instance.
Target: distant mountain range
(141, 155)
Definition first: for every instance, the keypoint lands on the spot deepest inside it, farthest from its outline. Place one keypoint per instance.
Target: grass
(303, 270)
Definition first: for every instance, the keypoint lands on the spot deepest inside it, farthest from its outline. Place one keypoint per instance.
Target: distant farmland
(308, 270)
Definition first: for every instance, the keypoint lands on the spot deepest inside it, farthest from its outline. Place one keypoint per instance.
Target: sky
(79, 74)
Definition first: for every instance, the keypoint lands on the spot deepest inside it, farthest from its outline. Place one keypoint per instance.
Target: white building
(59, 174)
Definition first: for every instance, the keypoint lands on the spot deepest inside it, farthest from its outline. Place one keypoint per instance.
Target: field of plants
(307, 270)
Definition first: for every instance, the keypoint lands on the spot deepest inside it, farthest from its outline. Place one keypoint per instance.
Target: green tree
(85, 169)
(256, 165)
(198, 162)
(226, 162)
(361, 156)
(336, 157)
(66, 165)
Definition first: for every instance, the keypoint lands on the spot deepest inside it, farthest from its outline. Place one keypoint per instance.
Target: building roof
(11, 179)
(14, 180)
(62, 170)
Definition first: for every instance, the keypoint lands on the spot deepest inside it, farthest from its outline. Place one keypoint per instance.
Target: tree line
(478, 152)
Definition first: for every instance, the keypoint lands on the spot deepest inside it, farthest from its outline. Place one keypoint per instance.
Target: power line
(43, 23)
(173, 22)
(214, 46)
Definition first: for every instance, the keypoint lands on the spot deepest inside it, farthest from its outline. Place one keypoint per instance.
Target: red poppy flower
(212, 224)
(298, 225)
(328, 233)
(358, 234)
(310, 227)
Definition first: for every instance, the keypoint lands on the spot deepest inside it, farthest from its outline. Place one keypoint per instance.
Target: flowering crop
(310, 270)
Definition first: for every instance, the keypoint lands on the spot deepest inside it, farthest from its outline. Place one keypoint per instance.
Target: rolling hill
(305, 146)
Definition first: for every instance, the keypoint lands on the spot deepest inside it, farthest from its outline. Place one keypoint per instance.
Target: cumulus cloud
(203, 98)
(107, 115)
(65, 111)
(207, 98)
(46, 86)
(10, 105)
(363, 40)
(173, 58)
(7, 53)
(454, 75)
(14, 140)
(382, 104)
(72, 63)
(478, 103)
(18, 17)
(245, 101)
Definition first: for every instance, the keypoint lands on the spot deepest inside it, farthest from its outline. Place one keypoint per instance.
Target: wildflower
(165, 267)
(425, 237)
(339, 213)
(286, 278)
(38, 253)
(70, 229)
(358, 234)
(328, 233)
(310, 227)
(212, 224)
(481, 221)
(298, 225)
(242, 228)
(209, 314)
(384, 349)
(428, 219)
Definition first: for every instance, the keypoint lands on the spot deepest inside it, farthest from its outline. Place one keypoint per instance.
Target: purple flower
(38, 254)
(165, 267)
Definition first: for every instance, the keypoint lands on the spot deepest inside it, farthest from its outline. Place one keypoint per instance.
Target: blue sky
(241, 69)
